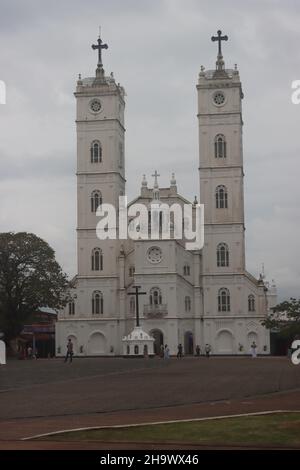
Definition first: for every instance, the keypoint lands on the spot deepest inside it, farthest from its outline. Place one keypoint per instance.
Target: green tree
(30, 278)
(285, 318)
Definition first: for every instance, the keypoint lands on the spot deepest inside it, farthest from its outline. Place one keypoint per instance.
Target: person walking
(69, 350)
(253, 349)
(198, 350)
(179, 353)
(207, 350)
(35, 353)
(166, 352)
(29, 352)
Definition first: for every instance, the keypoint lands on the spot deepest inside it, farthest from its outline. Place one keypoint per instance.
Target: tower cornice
(91, 92)
(92, 121)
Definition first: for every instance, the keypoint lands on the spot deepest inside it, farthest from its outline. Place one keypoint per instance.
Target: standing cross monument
(138, 343)
(136, 294)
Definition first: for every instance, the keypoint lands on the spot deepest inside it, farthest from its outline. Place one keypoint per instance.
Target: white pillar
(2, 352)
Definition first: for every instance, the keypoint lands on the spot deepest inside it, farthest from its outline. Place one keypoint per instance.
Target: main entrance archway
(158, 340)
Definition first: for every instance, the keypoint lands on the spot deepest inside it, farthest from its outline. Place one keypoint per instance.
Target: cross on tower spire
(99, 46)
(219, 38)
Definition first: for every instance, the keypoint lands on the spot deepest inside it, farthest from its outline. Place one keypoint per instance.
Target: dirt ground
(38, 397)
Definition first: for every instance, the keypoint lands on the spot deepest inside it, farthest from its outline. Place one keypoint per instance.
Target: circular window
(154, 254)
(219, 98)
(96, 106)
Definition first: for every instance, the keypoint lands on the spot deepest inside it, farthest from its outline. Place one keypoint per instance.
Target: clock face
(154, 254)
(95, 106)
(219, 98)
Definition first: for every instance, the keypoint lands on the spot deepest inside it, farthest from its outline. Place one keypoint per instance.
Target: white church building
(190, 297)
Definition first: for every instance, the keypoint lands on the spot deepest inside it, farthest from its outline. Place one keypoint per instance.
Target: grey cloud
(155, 50)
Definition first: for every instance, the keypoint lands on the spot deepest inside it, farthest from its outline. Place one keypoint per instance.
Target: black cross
(219, 38)
(100, 46)
(136, 294)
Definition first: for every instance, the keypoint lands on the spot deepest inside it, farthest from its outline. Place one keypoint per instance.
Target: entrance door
(188, 343)
(158, 340)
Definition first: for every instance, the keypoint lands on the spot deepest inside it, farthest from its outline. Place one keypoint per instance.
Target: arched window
(97, 259)
(187, 303)
(186, 270)
(72, 307)
(96, 152)
(132, 305)
(224, 300)
(251, 303)
(97, 303)
(222, 255)
(96, 200)
(220, 146)
(155, 296)
(149, 220)
(221, 197)
(121, 155)
(131, 271)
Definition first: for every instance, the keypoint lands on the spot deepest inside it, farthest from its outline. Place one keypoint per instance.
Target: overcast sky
(156, 48)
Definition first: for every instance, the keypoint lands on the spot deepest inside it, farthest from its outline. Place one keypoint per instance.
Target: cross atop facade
(155, 179)
(99, 46)
(219, 38)
(136, 294)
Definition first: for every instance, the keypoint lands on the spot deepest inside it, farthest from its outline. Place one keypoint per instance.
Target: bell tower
(221, 165)
(234, 302)
(100, 179)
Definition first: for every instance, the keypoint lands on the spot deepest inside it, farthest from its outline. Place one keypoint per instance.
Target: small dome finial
(144, 182)
(173, 180)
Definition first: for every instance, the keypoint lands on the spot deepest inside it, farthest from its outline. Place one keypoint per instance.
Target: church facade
(191, 297)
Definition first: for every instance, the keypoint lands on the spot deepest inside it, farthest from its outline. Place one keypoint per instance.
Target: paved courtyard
(49, 395)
